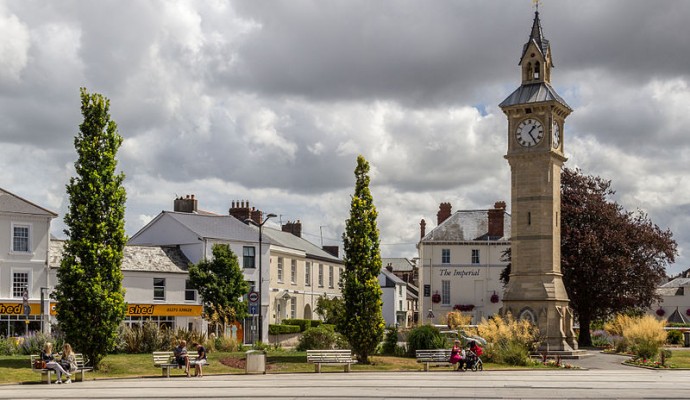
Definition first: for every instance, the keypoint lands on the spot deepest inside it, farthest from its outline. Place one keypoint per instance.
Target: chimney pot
(444, 212)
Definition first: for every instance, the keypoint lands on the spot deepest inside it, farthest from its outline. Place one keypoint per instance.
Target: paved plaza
(628, 383)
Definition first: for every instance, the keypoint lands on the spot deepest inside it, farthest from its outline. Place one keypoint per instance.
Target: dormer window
(536, 70)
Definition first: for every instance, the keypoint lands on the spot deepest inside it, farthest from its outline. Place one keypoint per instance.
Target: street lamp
(261, 225)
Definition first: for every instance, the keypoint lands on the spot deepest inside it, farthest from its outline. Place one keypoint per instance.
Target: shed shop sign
(173, 310)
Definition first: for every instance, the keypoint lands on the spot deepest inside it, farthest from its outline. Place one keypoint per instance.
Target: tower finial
(536, 5)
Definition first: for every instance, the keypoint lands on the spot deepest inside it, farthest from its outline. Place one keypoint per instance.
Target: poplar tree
(89, 294)
(362, 321)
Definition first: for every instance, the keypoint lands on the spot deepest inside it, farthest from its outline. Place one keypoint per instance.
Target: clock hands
(530, 133)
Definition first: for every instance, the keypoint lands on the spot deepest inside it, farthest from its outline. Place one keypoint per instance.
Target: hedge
(281, 329)
(303, 324)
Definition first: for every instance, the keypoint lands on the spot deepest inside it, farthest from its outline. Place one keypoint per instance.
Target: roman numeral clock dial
(529, 132)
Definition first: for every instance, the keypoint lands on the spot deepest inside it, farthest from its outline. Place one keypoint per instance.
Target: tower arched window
(536, 70)
(528, 71)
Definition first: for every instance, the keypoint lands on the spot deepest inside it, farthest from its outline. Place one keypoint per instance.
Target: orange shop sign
(18, 308)
(164, 310)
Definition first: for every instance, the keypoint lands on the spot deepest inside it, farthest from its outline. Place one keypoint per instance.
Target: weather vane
(536, 4)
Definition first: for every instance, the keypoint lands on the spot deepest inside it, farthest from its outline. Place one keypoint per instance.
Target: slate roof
(136, 258)
(675, 287)
(533, 93)
(216, 226)
(676, 283)
(391, 279)
(287, 239)
(11, 203)
(398, 264)
(676, 317)
(466, 226)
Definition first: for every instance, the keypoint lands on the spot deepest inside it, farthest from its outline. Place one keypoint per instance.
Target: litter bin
(686, 336)
(256, 362)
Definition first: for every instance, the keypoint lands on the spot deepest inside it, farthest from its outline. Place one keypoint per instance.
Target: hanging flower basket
(464, 307)
(687, 312)
(494, 298)
(660, 312)
(436, 298)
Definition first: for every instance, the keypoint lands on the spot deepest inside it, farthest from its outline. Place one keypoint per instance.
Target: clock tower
(536, 114)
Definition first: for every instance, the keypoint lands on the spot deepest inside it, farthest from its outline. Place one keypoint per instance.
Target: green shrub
(226, 344)
(303, 324)
(8, 346)
(315, 323)
(674, 337)
(511, 352)
(390, 342)
(34, 341)
(320, 338)
(328, 326)
(275, 329)
(424, 337)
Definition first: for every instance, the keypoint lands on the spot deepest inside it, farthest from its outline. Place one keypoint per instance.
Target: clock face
(529, 132)
(556, 135)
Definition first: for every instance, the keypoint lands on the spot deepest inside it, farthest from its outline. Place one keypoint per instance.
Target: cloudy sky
(272, 101)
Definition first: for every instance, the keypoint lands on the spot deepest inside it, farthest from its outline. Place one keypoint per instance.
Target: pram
(472, 361)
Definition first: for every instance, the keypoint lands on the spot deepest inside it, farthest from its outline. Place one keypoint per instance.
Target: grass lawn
(16, 369)
(680, 359)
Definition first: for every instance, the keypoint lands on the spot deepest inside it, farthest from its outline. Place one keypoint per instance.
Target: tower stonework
(536, 114)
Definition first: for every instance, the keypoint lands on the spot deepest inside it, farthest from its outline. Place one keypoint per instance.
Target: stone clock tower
(536, 114)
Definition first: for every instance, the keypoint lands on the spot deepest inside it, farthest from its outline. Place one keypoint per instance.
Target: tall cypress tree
(89, 293)
(362, 322)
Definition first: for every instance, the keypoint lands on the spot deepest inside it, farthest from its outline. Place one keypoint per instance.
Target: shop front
(15, 321)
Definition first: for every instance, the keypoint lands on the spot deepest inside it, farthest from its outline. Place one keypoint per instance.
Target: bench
(46, 373)
(433, 357)
(165, 360)
(330, 357)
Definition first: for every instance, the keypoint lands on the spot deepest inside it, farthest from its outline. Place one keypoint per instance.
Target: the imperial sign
(459, 272)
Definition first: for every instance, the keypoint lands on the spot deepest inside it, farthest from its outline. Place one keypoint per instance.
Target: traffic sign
(253, 309)
(253, 297)
(430, 314)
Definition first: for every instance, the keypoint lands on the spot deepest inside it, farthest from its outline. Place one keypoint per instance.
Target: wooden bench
(330, 357)
(433, 357)
(46, 373)
(165, 360)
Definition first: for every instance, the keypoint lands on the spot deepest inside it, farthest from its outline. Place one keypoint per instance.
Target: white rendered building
(461, 262)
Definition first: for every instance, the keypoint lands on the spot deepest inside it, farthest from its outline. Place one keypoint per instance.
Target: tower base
(553, 318)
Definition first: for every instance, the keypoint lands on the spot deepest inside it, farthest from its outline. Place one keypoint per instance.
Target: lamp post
(261, 225)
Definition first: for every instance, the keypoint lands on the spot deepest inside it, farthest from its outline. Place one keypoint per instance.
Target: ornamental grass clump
(509, 341)
(645, 337)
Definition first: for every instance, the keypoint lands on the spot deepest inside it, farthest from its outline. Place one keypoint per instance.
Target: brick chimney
(187, 204)
(240, 210)
(293, 227)
(332, 250)
(422, 229)
(496, 219)
(443, 213)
